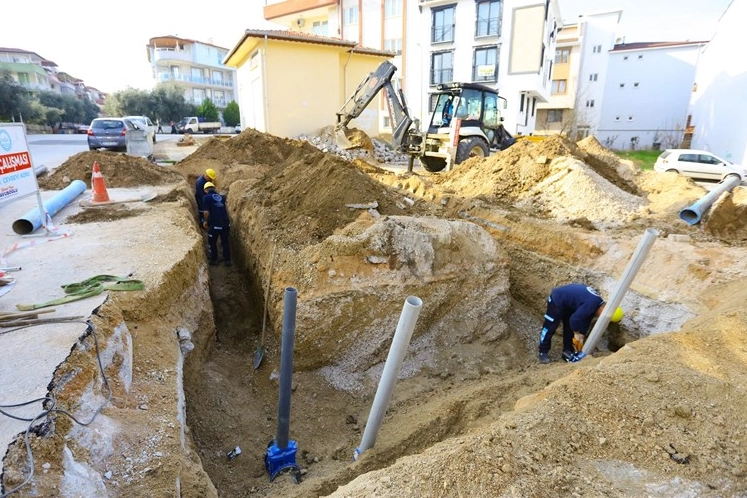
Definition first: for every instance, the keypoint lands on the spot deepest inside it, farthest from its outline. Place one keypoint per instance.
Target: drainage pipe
(649, 237)
(286, 367)
(33, 219)
(693, 213)
(401, 340)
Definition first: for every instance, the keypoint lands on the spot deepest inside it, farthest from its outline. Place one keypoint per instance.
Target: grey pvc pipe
(400, 342)
(639, 256)
(693, 213)
(33, 219)
(286, 367)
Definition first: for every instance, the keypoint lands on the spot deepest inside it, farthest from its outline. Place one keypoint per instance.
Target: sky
(104, 43)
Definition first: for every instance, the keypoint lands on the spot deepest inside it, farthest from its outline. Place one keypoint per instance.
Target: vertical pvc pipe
(639, 256)
(401, 340)
(286, 367)
(693, 213)
(33, 219)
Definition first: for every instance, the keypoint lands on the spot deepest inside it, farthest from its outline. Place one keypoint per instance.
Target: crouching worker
(575, 305)
(216, 222)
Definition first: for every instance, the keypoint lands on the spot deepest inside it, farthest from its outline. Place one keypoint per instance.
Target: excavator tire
(471, 147)
(432, 164)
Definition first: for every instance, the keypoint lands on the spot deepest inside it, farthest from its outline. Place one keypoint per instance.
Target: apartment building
(507, 45)
(578, 76)
(718, 108)
(197, 66)
(35, 73)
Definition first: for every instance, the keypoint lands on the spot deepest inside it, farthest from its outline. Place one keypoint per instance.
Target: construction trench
(660, 408)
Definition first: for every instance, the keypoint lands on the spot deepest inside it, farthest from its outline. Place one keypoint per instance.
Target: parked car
(144, 123)
(109, 133)
(699, 164)
(82, 129)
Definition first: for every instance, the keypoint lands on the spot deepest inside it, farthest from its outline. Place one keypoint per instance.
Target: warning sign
(17, 178)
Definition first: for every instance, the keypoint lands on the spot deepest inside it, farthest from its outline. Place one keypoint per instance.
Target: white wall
(653, 100)
(719, 106)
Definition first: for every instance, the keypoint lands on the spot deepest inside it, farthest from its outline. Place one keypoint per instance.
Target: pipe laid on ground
(286, 367)
(401, 340)
(33, 219)
(649, 237)
(693, 213)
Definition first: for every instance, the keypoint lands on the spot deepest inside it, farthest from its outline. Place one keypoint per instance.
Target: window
(617, 118)
(199, 95)
(689, 158)
(534, 104)
(320, 28)
(442, 67)
(521, 104)
(622, 85)
(590, 103)
(558, 86)
(470, 105)
(630, 118)
(597, 49)
(640, 57)
(387, 123)
(197, 75)
(442, 29)
(351, 15)
(635, 85)
(593, 76)
(23, 78)
(392, 8)
(393, 45)
(554, 115)
(485, 64)
(488, 18)
(625, 58)
(561, 55)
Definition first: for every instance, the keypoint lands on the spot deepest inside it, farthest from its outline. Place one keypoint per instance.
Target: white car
(144, 123)
(699, 164)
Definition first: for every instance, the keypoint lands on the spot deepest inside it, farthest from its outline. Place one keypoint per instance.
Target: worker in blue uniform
(575, 305)
(208, 176)
(217, 223)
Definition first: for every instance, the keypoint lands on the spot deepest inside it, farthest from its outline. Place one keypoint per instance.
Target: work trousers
(553, 317)
(215, 233)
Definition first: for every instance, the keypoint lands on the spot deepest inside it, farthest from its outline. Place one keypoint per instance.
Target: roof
(295, 36)
(44, 61)
(179, 38)
(650, 45)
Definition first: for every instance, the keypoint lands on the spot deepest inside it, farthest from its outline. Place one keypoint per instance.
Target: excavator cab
(466, 122)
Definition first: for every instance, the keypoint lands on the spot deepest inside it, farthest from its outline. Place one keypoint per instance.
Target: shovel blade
(258, 355)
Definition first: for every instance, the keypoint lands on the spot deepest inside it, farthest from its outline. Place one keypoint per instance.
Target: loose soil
(660, 409)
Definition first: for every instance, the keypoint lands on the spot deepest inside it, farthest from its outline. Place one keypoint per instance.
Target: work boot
(544, 358)
(570, 356)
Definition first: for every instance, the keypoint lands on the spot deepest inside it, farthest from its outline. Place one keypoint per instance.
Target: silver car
(108, 133)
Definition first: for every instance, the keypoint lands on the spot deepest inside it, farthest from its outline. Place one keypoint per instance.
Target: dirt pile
(119, 170)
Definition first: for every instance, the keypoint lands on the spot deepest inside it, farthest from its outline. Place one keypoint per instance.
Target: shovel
(260, 353)
(341, 138)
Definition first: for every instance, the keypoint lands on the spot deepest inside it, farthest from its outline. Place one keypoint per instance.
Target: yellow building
(292, 83)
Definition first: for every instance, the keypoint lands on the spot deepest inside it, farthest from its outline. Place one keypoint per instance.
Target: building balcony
(194, 81)
(285, 11)
(169, 54)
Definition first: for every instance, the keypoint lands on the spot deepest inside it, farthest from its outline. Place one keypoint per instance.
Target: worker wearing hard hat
(575, 305)
(208, 176)
(217, 223)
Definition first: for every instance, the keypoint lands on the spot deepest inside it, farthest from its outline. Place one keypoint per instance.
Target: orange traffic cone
(97, 185)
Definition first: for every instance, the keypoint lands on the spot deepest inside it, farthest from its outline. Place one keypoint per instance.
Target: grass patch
(642, 159)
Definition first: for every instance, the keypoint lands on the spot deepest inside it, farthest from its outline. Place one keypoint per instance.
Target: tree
(13, 98)
(169, 104)
(231, 114)
(208, 110)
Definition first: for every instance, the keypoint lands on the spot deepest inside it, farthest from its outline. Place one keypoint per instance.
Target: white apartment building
(197, 66)
(507, 45)
(646, 95)
(718, 105)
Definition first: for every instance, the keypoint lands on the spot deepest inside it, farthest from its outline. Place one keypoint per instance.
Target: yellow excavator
(466, 121)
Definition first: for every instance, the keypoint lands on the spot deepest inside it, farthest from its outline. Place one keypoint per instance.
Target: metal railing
(488, 27)
(442, 34)
(441, 76)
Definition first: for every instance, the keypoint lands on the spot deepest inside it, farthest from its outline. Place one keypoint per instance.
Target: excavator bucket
(341, 138)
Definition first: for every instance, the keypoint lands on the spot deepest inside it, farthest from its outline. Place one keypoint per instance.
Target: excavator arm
(365, 93)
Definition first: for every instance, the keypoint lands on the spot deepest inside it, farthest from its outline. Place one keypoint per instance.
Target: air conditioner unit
(300, 22)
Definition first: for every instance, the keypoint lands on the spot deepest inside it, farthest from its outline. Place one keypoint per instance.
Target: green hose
(87, 288)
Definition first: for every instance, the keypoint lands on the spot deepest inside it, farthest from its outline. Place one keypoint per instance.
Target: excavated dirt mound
(119, 170)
